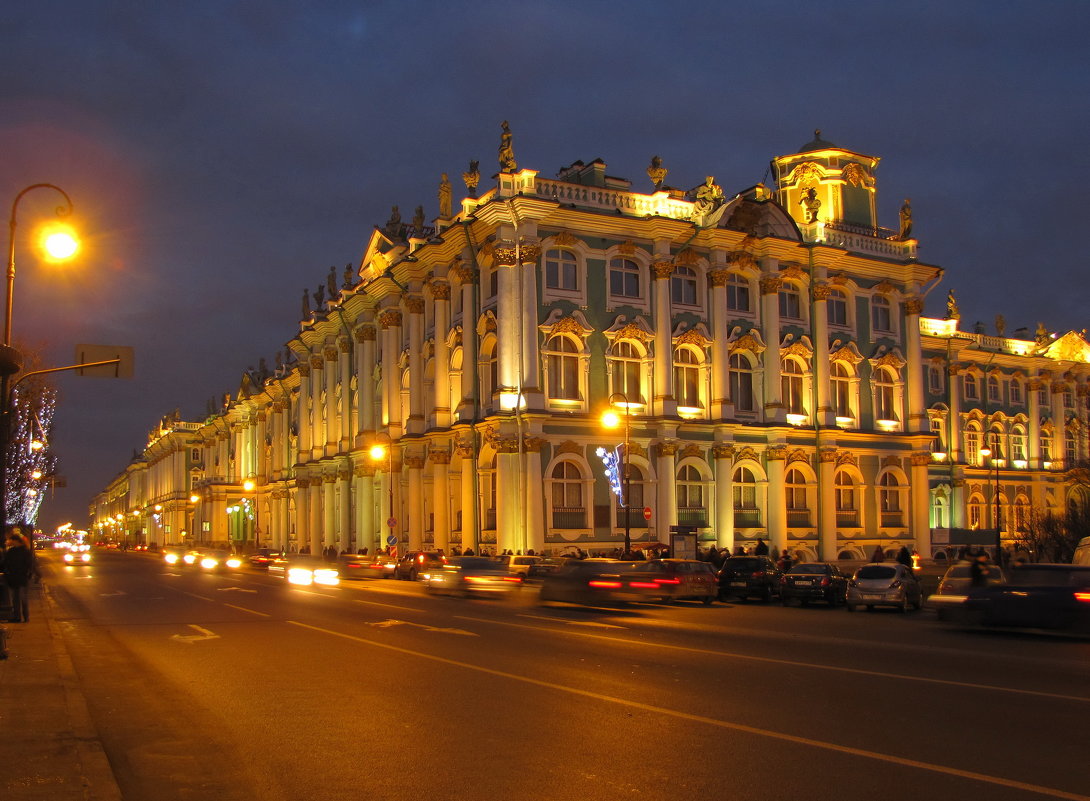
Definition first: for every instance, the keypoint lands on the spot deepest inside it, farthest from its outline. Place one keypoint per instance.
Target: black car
(600, 582)
(749, 577)
(814, 581)
(416, 563)
(1037, 596)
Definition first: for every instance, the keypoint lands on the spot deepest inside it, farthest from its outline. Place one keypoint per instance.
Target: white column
(920, 498)
(468, 278)
(1033, 429)
(724, 496)
(722, 407)
(415, 306)
(508, 323)
(666, 514)
(440, 499)
(314, 522)
(314, 419)
(953, 446)
(535, 499)
(329, 508)
(344, 490)
(824, 414)
(664, 402)
(827, 539)
(390, 320)
(917, 406)
(777, 498)
(770, 331)
(508, 491)
(302, 512)
(344, 370)
(331, 429)
(469, 495)
(1059, 452)
(440, 292)
(532, 390)
(415, 521)
(365, 371)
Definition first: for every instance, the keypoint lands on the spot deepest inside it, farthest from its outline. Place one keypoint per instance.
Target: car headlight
(68, 557)
(300, 575)
(86, 557)
(234, 562)
(326, 576)
(171, 558)
(208, 563)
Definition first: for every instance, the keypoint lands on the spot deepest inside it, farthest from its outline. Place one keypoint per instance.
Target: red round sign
(647, 513)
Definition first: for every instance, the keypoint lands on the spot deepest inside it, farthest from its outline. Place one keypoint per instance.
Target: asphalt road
(243, 687)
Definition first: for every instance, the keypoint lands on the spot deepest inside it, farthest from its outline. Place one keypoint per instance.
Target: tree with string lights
(31, 463)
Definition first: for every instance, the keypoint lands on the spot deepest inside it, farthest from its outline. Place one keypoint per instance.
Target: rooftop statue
(331, 282)
(444, 198)
(306, 305)
(319, 297)
(656, 172)
(906, 219)
(709, 200)
(1000, 324)
(507, 150)
(348, 276)
(471, 178)
(952, 311)
(418, 221)
(811, 204)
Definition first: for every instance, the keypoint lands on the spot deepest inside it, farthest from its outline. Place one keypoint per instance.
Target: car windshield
(876, 572)
(743, 563)
(808, 568)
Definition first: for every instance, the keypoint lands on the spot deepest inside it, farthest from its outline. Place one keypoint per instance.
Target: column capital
(440, 290)
(414, 462)
(365, 333)
(666, 448)
(920, 458)
(662, 269)
(464, 275)
(718, 277)
(316, 362)
(914, 306)
(776, 453)
(722, 451)
(439, 457)
(529, 250)
(415, 304)
(821, 291)
(330, 353)
(504, 253)
(770, 285)
(390, 318)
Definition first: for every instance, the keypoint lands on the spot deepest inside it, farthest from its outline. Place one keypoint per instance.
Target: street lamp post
(383, 454)
(610, 419)
(993, 452)
(60, 246)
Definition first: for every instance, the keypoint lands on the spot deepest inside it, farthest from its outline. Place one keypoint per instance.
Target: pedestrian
(19, 567)
(878, 555)
(979, 570)
(762, 547)
(904, 557)
(785, 561)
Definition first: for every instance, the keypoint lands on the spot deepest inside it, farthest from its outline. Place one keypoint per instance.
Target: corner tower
(843, 184)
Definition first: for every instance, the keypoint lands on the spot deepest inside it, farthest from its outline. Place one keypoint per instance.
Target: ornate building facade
(768, 354)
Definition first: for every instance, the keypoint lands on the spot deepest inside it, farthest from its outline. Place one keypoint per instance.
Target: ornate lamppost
(610, 419)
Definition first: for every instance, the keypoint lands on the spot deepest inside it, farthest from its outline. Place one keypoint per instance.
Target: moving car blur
(77, 555)
(304, 570)
(1036, 596)
(882, 584)
(600, 582)
(954, 587)
(684, 579)
(362, 566)
(471, 575)
(415, 563)
(212, 560)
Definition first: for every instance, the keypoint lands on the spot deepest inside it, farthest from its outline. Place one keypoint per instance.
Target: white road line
(202, 634)
(194, 595)
(244, 609)
(722, 724)
(794, 663)
(390, 606)
(588, 623)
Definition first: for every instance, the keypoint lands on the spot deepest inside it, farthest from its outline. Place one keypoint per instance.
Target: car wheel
(903, 606)
(707, 599)
(767, 596)
(804, 602)
(918, 603)
(412, 574)
(851, 607)
(870, 607)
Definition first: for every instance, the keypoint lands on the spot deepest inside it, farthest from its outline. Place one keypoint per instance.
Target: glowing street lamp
(610, 419)
(381, 454)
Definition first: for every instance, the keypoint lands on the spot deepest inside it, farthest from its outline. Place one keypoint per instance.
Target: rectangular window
(790, 307)
(972, 392)
(738, 295)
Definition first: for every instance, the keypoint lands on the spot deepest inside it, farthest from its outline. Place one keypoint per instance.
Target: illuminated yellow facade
(767, 351)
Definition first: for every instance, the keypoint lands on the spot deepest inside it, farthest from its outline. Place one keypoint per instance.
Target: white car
(884, 584)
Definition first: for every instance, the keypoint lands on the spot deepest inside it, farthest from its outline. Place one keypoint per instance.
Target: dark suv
(748, 576)
(412, 564)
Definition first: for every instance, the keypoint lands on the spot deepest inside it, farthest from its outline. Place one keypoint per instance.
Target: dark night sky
(222, 156)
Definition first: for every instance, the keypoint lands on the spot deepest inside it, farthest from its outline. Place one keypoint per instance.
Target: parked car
(546, 566)
(472, 575)
(364, 566)
(517, 564)
(415, 563)
(814, 581)
(884, 584)
(600, 582)
(749, 576)
(954, 587)
(1037, 596)
(684, 578)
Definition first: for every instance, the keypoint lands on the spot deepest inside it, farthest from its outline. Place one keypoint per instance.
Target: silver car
(883, 584)
(470, 575)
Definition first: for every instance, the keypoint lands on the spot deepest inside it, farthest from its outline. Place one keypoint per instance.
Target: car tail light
(1082, 596)
(758, 574)
(513, 579)
(895, 585)
(667, 581)
(643, 585)
(604, 585)
(420, 558)
(824, 581)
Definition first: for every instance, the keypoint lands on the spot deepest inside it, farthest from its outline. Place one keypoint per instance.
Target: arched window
(1016, 391)
(889, 499)
(568, 508)
(791, 386)
(1046, 446)
(844, 497)
(798, 510)
(790, 302)
(690, 494)
(841, 380)
(836, 305)
(683, 286)
(997, 442)
(687, 378)
(885, 406)
(972, 444)
(934, 380)
(561, 270)
(972, 389)
(741, 383)
(1021, 513)
(1070, 452)
(746, 513)
(624, 278)
(976, 511)
(626, 362)
(562, 363)
(490, 377)
(1018, 443)
(993, 389)
(738, 295)
(881, 319)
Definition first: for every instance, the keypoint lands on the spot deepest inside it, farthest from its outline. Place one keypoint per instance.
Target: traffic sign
(391, 540)
(647, 513)
(392, 522)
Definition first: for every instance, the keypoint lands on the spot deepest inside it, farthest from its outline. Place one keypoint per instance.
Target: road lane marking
(200, 597)
(244, 609)
(202, 634)
(722, 724)
(794, 663)
(234, 589)
(390, 606)
(111, 594)
(385, 624)
(588, 623)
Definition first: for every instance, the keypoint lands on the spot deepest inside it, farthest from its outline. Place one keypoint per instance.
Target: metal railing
(569, 517)
(747, 518)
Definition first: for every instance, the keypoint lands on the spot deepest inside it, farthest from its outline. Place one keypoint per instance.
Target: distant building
(767, 350)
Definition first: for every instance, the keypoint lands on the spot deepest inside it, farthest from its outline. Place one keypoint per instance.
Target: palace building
(766, 354)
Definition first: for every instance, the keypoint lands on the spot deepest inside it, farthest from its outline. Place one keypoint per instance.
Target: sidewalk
(52, 750)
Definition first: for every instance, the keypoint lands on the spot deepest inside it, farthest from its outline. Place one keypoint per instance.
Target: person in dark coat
(762, 547)
(904, 557)
(19, 567)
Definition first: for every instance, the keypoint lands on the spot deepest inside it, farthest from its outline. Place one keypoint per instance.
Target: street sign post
(647, 513)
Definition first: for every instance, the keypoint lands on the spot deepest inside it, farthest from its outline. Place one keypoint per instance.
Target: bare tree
(1050, 537)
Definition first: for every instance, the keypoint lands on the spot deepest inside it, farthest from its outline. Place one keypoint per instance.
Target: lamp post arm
(62, 211)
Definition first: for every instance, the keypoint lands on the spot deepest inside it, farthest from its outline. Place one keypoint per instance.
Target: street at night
(225, 686)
